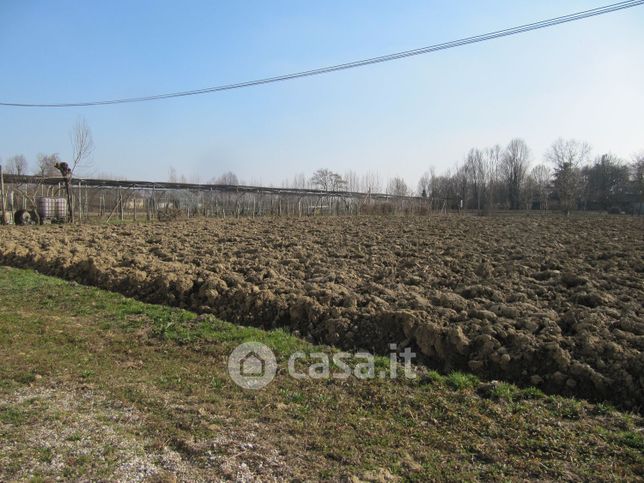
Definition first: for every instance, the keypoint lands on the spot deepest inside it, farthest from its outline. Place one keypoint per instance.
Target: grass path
(97, 385)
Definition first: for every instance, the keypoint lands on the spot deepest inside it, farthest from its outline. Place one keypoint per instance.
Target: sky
(581, 80)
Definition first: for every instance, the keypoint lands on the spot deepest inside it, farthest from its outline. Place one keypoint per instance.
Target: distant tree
(475, 172)
(568, 156)
(607, 181)
(229, 178)
(17, 165)
(424, 184)
(514, 166)
(371, 182)
(397, 187)
(47, 165)
(492, 160)
(637, 180)
(529, 192)
(352, 181)
(299, 181)
(326, 180)
(172, 175)
(568, 185)
(433, 186)
(542, 177)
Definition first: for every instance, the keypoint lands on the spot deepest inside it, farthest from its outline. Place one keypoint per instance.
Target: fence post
(80, 202)
(122, 213)
(4, 207)
(155, 210)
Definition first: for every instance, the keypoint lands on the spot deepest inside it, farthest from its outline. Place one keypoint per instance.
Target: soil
(548, 301)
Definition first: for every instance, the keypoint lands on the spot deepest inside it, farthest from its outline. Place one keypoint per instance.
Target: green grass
(633, 440)
(460, 381)
(531, 393)
(10, 415)
(504, 391)
(434, 377)
(169, 366)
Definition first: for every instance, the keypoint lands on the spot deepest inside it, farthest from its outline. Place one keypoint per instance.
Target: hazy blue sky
(583, 80)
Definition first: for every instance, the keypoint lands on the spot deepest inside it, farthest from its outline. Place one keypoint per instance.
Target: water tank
(61, 208)
(46, 208)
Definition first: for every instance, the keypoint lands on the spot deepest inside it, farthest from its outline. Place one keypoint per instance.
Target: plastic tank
(61, 208)
(46, 208)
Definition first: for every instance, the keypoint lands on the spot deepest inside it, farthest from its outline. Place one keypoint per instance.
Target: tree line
(493, 178)
(570, 178)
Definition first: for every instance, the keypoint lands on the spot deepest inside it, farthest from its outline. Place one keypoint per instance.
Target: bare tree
(637, 176)
(514, 166)
(82, 145)
(607, 183)
(492, 160)
(82, 149)
(228, 178)
(570, 151)
(542, 178)
(433, 186)
(460, 185)
(371, 182)
(568, 156)
(172, 175)
(352, 181)
(475, 171)
(17, 165)
(47, 165)
(299, 181)
(425, 185)
(397, 187)
(326, 180)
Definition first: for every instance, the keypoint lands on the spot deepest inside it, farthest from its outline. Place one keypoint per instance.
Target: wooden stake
(4, 207)
(122, 214)
(80, 203)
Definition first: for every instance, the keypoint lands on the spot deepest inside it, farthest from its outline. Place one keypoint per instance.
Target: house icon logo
(252, 365)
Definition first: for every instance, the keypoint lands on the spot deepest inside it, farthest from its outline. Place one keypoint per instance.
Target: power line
(358, 63)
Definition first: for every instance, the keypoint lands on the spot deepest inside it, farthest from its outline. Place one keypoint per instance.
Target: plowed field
(540, 300)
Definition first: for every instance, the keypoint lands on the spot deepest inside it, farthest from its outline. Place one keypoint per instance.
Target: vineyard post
(121, 211)
(80, 202)
(2, 195)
